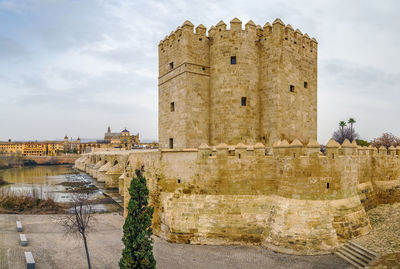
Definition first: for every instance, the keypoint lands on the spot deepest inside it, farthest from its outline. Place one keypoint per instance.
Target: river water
(48, 181)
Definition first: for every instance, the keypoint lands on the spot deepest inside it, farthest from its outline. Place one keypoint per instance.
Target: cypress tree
(138, 251)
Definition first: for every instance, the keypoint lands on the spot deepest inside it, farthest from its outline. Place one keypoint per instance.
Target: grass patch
(27, 202)
(3, 182)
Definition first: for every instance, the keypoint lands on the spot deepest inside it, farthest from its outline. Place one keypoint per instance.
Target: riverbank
(31, 203)
(13, 160)
(49, 189)
(3, 182)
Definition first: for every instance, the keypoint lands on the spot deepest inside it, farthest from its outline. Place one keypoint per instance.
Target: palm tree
(351, 121)
(342, 124)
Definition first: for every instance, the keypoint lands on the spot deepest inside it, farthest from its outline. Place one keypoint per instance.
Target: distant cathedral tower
(237, 85)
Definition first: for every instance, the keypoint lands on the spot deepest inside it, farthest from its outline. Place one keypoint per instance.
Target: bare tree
(386, 140)
(78, 220)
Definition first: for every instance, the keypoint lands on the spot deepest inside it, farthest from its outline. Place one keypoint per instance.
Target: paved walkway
(51, 249)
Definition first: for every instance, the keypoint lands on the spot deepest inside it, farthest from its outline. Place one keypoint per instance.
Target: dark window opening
(305, 84)
(327, 185)
(179, 40)
(333, 156)
(172, 106)
(239, 156)
(171, 143)
(203, 68)
(220, 30)
(244, 101)
(171, 65)
(286, 38)
(179, 181)
(295, 42)
(291, 88)
(303, 47)
(294, 155)
(233, 59)
(200, 39)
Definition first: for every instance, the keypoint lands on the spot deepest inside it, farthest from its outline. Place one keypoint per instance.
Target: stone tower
(236, 85)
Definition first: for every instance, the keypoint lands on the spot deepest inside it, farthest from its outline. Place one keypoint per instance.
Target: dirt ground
(51, 249)
(385, 235)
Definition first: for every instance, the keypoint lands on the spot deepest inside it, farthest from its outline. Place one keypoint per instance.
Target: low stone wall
(65, 159)
(367, 195)
(289, 198)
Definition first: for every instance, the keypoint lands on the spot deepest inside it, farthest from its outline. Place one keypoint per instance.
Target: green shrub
(138, 251)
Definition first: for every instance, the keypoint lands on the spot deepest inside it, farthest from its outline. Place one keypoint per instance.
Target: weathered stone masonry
(252, 85)
(248, 195)
(260, 189)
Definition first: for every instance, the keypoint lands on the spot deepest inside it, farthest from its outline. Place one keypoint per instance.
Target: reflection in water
(45, 182)
(36, 174)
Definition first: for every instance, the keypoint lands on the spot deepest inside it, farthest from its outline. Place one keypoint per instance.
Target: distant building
(122, 139)
(45, 148)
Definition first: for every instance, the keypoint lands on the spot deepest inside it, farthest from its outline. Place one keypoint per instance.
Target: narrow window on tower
(233, 59)
(244, 101)
(291, 88)
(305, 84)
(171, 143)
(171, 65)
(172, 106)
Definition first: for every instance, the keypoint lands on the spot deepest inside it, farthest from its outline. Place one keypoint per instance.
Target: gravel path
(385, 235)
(51, 249)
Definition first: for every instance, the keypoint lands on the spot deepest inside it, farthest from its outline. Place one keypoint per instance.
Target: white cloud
(79, 66)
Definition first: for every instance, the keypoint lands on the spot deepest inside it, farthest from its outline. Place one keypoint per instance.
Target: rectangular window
(291, 88)
(172, 106)
(171, 143)
(305, 84)
(244, 101)
(171, 65)
(233, 59)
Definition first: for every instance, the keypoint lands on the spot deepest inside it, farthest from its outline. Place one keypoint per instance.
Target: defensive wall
(254, 89)
(290, 197)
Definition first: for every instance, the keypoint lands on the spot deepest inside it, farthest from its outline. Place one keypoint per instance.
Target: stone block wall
(237, 85)
(289, 198)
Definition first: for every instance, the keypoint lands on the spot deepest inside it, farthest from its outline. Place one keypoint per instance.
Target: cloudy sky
(74, 67)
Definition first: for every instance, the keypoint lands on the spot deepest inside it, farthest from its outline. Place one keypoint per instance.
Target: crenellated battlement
(278, 30)
(247, 79)
(239, 161)
(295, 149)
(246, 183)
